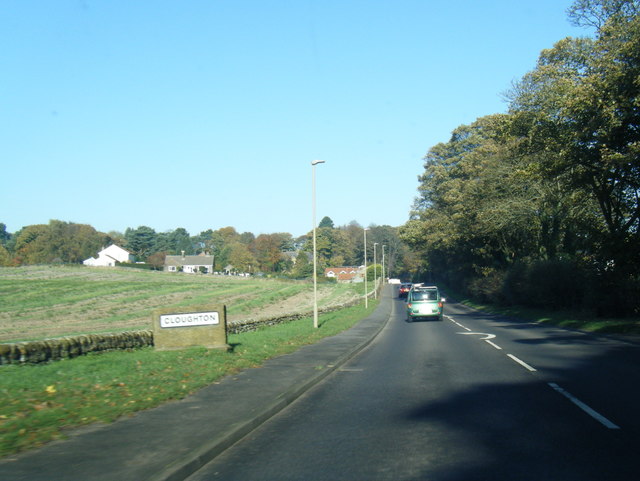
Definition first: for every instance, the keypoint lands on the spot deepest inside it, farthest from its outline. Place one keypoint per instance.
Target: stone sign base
(204, 326)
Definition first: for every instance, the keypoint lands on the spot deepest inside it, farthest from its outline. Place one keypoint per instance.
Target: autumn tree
(554, 185)
(241, 258)
(269, 250)
(580, 113)
(61, 242)
(5, 257)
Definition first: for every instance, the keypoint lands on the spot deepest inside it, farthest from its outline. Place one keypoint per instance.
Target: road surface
(473, 397)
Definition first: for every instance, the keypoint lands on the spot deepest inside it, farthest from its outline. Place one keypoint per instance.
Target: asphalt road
(469, 398)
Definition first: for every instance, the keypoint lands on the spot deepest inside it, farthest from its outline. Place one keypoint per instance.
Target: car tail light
(440, 304)
(409, 305)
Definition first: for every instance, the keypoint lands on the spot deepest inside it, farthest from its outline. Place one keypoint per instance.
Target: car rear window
(425, 295)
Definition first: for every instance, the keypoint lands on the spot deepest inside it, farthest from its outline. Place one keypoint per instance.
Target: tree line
(541, 205)
(279, 254)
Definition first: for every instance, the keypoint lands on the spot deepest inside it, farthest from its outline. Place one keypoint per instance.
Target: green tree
(5, 257)
(4, 235)
(177, 241)
(484, 205)
(303, 267)
(581, 103)
(596, 13)
(141, 241)
(326, 222)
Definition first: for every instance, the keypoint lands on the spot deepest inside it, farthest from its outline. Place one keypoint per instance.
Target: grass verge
(562, 318)
(41, 402)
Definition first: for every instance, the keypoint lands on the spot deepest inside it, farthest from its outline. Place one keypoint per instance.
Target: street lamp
(366, 299)
(315, 262)
(383, 278)
(375, 272)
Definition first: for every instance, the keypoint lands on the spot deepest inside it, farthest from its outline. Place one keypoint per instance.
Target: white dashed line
(522, 363)
(595, 415)
(458, 324)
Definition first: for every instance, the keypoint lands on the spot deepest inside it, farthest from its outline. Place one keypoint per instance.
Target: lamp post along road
(375, 272)
(315, 262)
(383, 278)
(366, 298)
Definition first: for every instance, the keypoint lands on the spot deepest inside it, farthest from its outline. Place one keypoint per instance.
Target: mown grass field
(43, 402)
(41, 302)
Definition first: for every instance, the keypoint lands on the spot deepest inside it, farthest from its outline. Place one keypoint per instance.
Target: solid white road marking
(457, 323)
(485, 339)
(522, 363)
(594, 414)
(488, 336)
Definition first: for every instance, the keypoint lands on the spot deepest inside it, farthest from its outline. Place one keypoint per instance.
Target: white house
(344, 273)
(109, 256)
(190, 264)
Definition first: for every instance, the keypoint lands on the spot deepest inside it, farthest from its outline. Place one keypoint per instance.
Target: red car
(405, 287)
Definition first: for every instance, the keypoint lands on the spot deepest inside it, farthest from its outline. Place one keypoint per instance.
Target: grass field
(43, 402)
(41, 302)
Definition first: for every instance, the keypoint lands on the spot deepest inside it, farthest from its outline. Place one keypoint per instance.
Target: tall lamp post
(315, 261)
(383, 278)
(375, 272)
(366, 299)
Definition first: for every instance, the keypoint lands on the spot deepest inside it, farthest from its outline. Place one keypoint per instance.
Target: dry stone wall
(33, 352)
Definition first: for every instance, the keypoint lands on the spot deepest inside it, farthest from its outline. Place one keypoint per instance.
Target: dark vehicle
(425, 303)
(405, 287)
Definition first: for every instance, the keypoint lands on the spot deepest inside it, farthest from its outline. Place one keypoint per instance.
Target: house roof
(201, 260)
(117, 247)
(341, 268)
(343, 272)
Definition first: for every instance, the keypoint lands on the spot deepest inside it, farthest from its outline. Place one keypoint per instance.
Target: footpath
(171, 442)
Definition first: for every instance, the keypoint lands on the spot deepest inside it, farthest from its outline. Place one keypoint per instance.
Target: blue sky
(207, 113)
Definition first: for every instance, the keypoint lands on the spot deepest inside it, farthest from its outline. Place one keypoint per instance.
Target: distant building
(109, 256)
(189, 264)
(344, 274)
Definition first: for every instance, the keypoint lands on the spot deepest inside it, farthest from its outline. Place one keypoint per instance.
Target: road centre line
(522, 363)
(488, 341)
(591, 412)
(457, 323)
(594, 414)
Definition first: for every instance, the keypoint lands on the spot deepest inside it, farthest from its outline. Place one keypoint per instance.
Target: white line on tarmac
(594, 414)
(522, 363)
(597, 416)
(457, 323)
